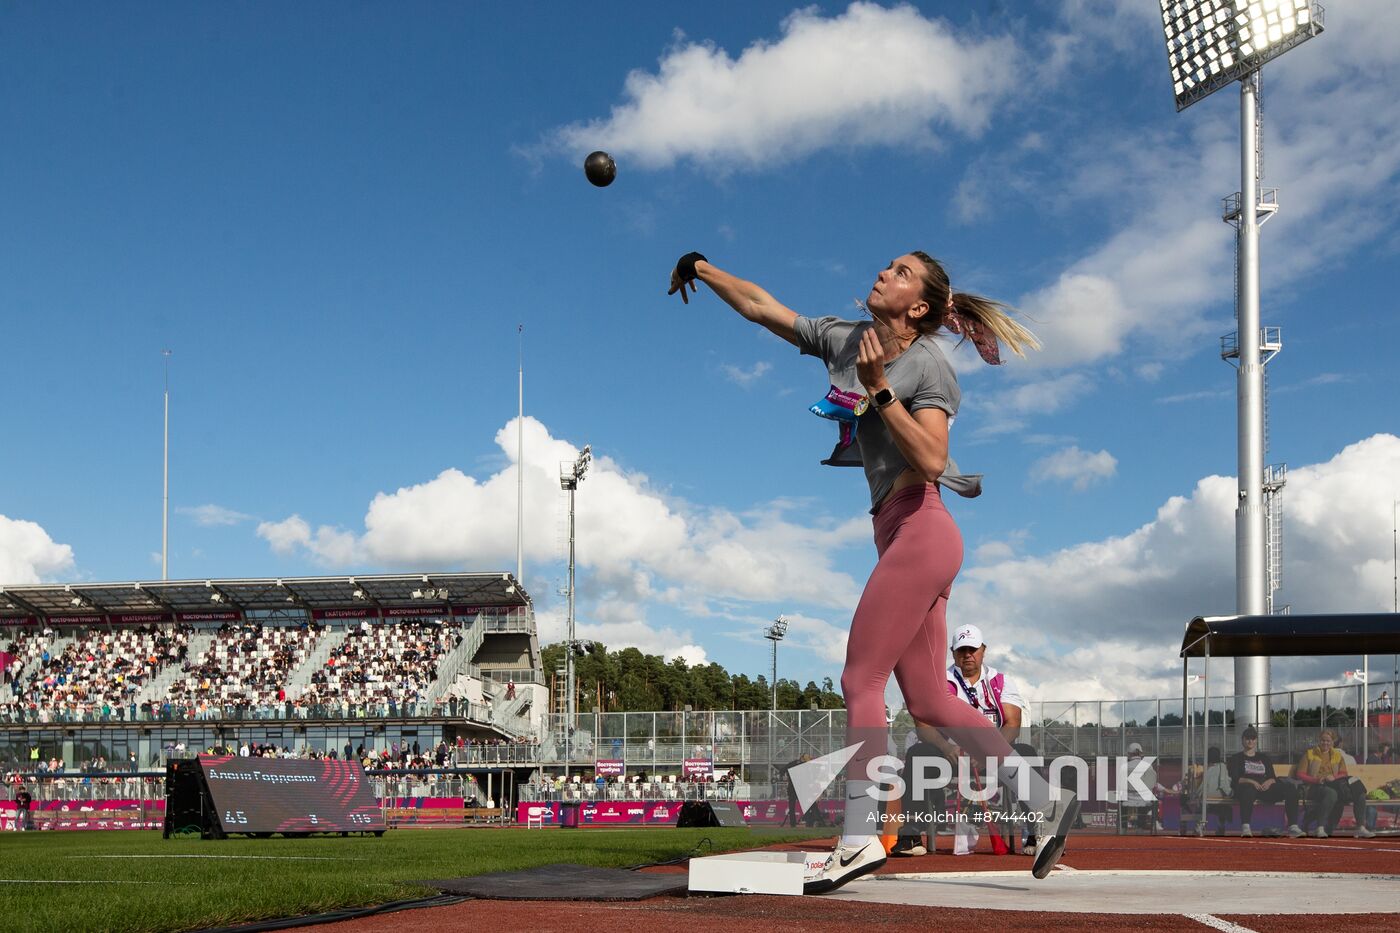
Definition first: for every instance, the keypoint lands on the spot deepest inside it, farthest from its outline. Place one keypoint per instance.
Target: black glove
(685, 266)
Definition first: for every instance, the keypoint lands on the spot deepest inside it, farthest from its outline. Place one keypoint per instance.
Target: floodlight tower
(1210, 44)
(775, 633)
(570, 475)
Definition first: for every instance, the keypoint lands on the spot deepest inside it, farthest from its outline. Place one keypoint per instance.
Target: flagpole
(165, 481)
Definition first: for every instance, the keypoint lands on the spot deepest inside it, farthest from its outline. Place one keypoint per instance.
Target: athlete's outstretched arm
(748, 299)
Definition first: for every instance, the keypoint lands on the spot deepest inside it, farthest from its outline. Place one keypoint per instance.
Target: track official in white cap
(987, 689)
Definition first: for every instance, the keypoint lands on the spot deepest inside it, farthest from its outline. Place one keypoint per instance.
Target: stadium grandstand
(127, 672)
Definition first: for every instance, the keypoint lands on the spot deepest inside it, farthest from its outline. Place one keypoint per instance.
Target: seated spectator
(1329, 789)
(1384, 755)
(1252, 774)
(1139, 810)
(1217, 784)
(1365, 817)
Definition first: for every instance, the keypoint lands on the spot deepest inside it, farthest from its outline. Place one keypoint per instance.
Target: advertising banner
(225, 615)
(141, 618)
(426, 612)
(705, 767)
(661, 812)
(363, 612)
(78, 620)
(87, 814)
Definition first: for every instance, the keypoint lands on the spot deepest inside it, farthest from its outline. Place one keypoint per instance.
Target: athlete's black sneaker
(1052, 833)
(909, 845)
(845, 864)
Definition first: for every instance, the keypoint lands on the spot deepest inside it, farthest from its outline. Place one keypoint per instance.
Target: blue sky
(337, 216)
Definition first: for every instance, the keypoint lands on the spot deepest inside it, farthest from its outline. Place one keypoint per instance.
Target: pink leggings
(900, 625)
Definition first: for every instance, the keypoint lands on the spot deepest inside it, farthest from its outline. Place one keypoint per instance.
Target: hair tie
(969, 329)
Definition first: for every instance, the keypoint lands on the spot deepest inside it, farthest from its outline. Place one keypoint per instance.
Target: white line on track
(94, 881)
(1340, 845)
(1060, 866)
(265, 858)
(1344, 843)
(1211, 920)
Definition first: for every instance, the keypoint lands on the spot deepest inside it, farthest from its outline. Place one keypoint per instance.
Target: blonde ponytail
(983, 321)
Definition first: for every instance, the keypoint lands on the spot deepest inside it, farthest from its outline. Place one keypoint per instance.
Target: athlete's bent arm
(922, 437)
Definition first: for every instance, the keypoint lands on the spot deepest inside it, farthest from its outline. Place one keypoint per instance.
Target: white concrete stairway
(299, 677)
(158, 687)
(457, 661)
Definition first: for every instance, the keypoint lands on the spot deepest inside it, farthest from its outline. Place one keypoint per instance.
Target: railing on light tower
(775, 633)
(570, 475)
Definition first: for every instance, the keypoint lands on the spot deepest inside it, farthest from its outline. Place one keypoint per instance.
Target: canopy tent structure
(1209, 637)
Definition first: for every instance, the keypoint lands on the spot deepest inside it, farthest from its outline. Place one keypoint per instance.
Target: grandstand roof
(212, 600)
(1292, 635)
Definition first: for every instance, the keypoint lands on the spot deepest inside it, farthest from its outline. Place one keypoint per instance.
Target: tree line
(627, 681)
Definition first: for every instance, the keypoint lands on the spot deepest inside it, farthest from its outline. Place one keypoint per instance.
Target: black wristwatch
(884, 397)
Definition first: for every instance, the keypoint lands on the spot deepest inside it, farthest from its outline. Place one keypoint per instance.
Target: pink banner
(88, 814)
(605, 813)
(364, 612)
(141, 618)
(423, 803)
(610, 767)
(659, 812)
(396, 612)
(6, 660)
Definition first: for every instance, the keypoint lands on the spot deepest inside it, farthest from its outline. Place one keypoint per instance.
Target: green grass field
(139, 881)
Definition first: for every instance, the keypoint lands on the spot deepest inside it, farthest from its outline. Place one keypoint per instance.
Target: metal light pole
(520, 458)
(1211, 44)
(775, 633)
(165, 482)
(1251, 674)
(570, 475)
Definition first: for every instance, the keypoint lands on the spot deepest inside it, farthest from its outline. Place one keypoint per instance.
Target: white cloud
(745, 377)
(693, 655)
(1150, 372)
(618, 624)
(329, 546)
(868, 76)
(1103, 619)
(1198, 396)
(1006, 411)
(28, 554)
(993, 551)
(213, 515)
(634, 541)
(1081, 468)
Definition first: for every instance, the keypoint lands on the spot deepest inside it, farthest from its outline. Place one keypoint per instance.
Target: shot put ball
(600, 168)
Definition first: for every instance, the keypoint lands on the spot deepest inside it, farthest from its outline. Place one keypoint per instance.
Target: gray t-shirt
(920, 377)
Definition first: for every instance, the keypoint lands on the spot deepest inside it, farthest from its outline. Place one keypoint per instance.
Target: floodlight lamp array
(1211, 43)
